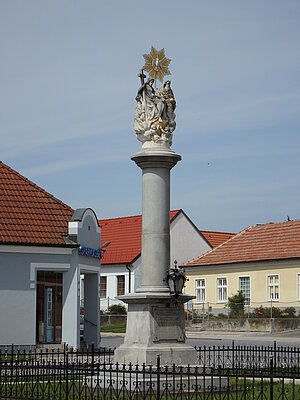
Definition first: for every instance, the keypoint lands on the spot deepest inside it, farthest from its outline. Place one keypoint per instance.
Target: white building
(44, 247)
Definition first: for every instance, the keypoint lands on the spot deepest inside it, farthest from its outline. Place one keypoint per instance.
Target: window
(273, 287)
(120, 285)
(244, 285)
(222, 290)
(103, 286)
(200, 290)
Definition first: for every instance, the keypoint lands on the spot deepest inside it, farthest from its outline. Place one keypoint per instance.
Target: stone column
(156, 168)
(155, 319)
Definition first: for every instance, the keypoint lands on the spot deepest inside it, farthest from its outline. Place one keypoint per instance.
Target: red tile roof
(28, 214)
(272, 241)
(124, 235)
(216, 238)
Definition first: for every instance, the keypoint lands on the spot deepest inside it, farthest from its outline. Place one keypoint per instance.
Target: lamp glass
(171, 283)
(179, 284)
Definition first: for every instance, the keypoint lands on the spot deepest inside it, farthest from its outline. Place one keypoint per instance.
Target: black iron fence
(253, 358)
(224, 372)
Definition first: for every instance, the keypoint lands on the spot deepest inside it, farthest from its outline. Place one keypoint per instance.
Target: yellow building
(262, 261)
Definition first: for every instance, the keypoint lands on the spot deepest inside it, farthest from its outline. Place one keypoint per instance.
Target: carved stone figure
(154, 116)
(167, 94)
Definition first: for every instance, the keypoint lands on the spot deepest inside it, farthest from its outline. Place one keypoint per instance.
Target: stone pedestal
(155, 320)
(155, 326)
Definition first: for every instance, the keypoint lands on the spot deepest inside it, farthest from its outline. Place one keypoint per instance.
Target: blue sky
(68, 84)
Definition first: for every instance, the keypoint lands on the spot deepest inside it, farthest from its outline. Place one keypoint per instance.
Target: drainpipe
(129, 272)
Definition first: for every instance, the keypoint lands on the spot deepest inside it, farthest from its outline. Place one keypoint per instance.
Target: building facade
(44, 247)
(262, 261)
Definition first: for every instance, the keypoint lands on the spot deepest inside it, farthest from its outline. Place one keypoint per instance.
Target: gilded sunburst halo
(156, 64)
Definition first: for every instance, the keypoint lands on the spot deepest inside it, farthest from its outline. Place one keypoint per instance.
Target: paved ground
(211, 338)
(289, 338)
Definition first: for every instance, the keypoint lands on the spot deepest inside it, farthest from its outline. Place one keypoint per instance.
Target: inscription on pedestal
(167, 324)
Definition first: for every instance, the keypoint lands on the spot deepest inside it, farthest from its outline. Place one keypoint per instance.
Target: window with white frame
(273, 287)
(103, 286)
(244, 285)
(120, 285)
(200, 290)
(222, 290)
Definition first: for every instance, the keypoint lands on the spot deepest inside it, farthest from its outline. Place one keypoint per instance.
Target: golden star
(156, 64)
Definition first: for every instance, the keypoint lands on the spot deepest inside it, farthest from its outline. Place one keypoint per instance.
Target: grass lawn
(113, 328)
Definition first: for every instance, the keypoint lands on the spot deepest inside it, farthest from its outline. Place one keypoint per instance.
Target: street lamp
(102, 249)
(176, 280)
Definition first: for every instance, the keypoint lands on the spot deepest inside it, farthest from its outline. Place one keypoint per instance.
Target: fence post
(93, 356)
(66, 366)
(203, 311)
(271, 309)
(208, 311)
(158, 377)
(275, 355)
(271, 315)
(192, 312)
(108, 311)
(12, 361)
(271, 377)
(227, 306)
(65, 353)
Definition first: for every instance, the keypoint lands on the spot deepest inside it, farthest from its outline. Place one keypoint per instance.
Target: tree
(236, 304)
(117, 309)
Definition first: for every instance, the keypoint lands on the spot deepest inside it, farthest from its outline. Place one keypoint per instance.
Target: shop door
(49, 308)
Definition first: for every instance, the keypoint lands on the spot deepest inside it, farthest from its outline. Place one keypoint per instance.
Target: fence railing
(271, 309)
(39, 355)
(253, 358)
(222, 372)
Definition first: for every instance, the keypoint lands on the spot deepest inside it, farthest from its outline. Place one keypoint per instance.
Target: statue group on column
(155, 117)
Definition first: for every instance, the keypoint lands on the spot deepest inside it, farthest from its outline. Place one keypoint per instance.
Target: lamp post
(103, 250)
(176, 280)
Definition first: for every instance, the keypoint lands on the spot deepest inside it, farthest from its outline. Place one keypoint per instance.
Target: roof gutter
(29, 244)
(129, 278)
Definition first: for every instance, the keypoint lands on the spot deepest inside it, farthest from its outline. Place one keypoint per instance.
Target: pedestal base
(155, 326)
(170, 353)
(145, 384)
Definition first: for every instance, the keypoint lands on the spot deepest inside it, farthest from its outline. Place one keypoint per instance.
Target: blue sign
(89, 252)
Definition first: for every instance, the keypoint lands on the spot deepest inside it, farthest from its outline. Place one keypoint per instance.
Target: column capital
(156, 159)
